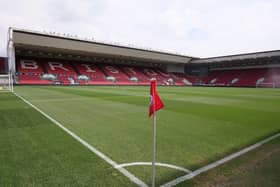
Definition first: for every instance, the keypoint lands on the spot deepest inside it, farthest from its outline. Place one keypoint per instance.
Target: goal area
(6, 83)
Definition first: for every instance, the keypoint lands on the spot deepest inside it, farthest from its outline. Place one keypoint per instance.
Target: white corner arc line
(157, 164)
(126, 173)
(219, 162)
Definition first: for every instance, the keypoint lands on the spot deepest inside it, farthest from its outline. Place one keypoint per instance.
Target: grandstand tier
(63, 71)
(115, 74)
(45, 71)
(30, 71)
(136, 75)
(93, 74)
(243, 77)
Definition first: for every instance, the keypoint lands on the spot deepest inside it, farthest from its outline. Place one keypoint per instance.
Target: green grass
(34, 152)
(197, 126)
(260, 167)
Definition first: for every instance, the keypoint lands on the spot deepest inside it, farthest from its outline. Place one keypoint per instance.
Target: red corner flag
(155, 102)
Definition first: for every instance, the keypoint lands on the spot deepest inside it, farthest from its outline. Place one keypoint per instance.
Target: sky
(199, 28)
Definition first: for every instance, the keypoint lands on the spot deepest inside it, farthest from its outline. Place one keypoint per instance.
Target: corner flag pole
(155, 105)
(154, 150)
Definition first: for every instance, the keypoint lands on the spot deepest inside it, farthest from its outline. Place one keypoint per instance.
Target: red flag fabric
(155, 101)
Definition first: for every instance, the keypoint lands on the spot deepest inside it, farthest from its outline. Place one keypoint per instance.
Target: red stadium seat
(2, 65)
(132, 72)
(249, 77)
(152, 73)
(63, 70)
(30, 72)
(272, 77)
(183, 79)
(238, 78)
(117, 73)
(95, 75)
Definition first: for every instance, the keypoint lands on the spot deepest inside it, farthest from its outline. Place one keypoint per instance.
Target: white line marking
(219, 162)
(157, 164)
(91, 148)
(59, 99)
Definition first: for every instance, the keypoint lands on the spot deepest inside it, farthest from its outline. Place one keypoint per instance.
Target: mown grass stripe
(219, 162)
(91, 148)
(191, 133)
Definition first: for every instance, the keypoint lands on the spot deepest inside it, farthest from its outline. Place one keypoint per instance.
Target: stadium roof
(64, 43)
(238, 57)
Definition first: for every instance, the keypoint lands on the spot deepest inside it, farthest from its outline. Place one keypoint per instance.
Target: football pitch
(113, 144)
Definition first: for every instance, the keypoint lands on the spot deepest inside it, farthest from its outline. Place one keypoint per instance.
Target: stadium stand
(2, 65)
(249, 77)
(94, 76)
(63, 71)
(181, 79)
(211, 78)
(30, 72)
(265, 77)
(152, 73)
(33, 71)
(272, 76)
(70, 60)
(136, 75)
(46, 71)
(115, 74)
(168, 78)
(228, 77)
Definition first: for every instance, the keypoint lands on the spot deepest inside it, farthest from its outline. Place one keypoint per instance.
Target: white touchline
(59, 99)
(219, 162)
(87, 145)
(150, 163)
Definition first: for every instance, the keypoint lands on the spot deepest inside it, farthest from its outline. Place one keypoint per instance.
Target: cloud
(193, 27)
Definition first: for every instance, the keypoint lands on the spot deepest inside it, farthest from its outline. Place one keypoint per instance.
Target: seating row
(89, 73)
(61, 72)
(244, 77)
